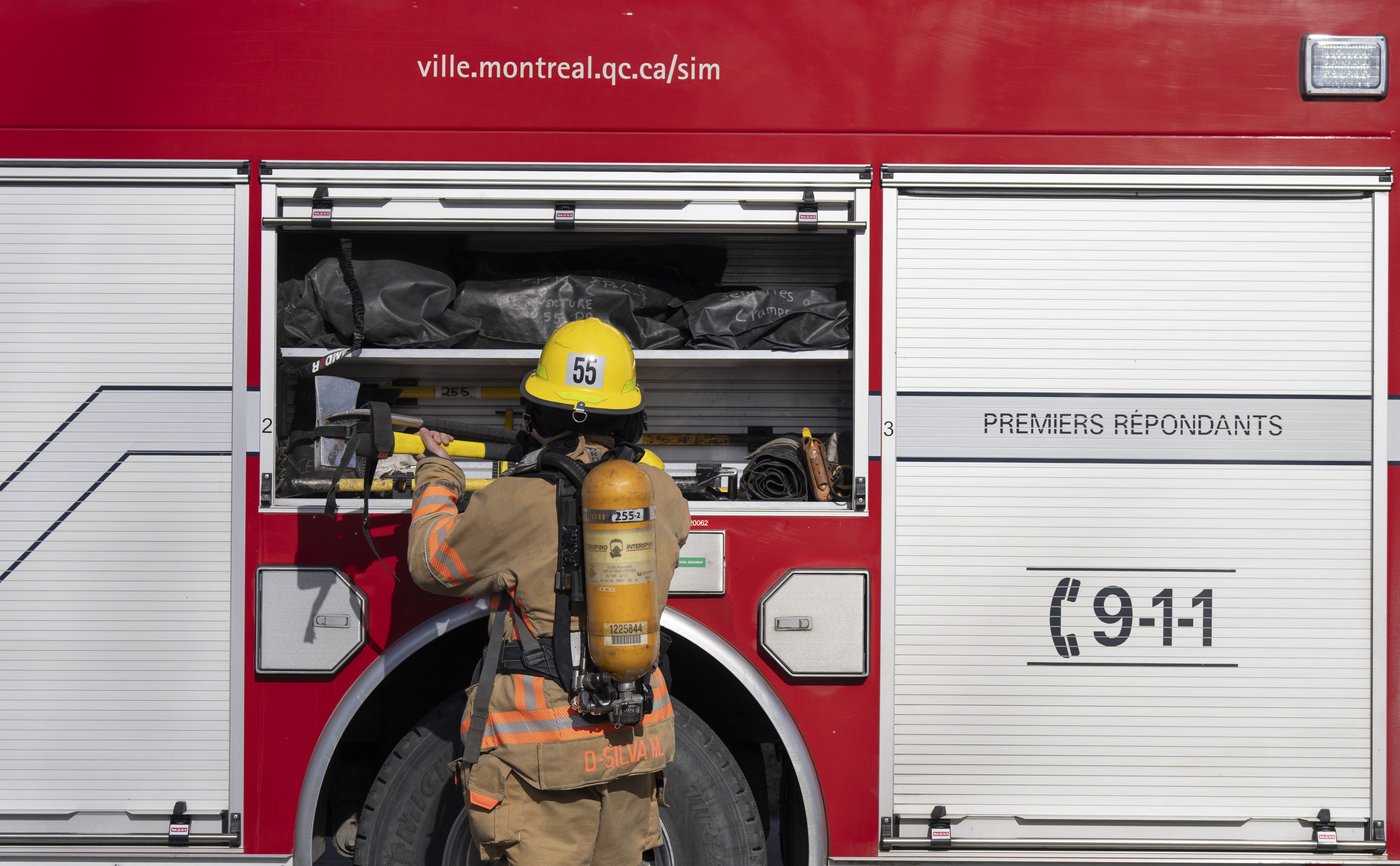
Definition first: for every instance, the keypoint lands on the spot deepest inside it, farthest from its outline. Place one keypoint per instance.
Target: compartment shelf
(428, 357)
(427, 364)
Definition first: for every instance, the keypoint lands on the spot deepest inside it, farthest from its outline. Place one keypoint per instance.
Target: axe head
(334, 395)
(338, 402)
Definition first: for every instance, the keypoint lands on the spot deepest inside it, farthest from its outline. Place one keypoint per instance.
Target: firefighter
(552, 783)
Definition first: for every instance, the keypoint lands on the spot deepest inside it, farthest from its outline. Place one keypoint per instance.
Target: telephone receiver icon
(1067, 590)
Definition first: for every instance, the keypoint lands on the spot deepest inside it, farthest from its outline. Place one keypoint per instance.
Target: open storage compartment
(743, 290)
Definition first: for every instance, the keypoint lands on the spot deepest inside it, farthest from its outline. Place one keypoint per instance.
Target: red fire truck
(1081, 306)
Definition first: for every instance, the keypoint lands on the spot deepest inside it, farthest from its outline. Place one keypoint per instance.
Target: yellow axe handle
(410, 443)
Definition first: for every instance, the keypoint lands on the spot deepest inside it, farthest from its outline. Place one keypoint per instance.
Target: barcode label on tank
(624, 639)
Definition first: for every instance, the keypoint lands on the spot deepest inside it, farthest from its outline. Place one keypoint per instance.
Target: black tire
(414, 816)
(710, 818)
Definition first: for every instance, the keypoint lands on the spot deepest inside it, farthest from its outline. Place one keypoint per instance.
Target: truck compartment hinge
(232, 826)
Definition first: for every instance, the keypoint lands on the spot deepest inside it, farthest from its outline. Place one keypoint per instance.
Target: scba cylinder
(619, 565)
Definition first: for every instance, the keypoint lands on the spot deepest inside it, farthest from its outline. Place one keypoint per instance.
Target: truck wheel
(710, 817)
(414, 815)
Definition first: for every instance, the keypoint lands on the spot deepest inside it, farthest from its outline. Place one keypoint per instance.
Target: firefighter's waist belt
(517, 659)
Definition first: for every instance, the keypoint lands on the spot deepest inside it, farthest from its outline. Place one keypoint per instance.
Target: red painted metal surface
(1105, 67)
(1105, 82)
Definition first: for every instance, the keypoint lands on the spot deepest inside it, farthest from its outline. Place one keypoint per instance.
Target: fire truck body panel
(1002, 462)
(115, 398)
(189, 121)
(983, 68)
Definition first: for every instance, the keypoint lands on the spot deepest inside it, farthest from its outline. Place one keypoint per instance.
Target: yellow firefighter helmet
(586, 366)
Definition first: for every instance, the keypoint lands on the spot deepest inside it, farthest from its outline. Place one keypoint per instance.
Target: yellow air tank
(619, 565)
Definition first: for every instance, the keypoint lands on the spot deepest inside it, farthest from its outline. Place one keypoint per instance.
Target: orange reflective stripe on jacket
(441, 560)
(539, 724)
(434, 499)
(437, 504)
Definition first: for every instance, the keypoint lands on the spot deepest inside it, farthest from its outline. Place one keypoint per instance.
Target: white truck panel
(1104, 400)
(116, 557)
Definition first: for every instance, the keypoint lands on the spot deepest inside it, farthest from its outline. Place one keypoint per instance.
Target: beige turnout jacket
(505, 542)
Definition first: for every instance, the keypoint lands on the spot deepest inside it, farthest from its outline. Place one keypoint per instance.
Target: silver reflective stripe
(440, 564)
(527, 686)
(571, 721)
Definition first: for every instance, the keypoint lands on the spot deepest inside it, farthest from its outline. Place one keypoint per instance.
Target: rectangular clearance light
(1344, 66)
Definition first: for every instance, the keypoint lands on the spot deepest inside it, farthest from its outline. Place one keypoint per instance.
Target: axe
(336, 402)
(379, 423)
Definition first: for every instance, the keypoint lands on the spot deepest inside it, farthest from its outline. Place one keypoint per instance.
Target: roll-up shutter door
(118, 287)
(586, 198)
(1133, 568)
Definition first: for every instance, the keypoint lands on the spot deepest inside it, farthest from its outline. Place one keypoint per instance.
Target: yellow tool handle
(391, 485)
(378, 485)
(410, 443)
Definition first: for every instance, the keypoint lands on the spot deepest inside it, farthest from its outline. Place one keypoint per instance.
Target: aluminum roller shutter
(620, 197)
(1143, 401)
(117, 294)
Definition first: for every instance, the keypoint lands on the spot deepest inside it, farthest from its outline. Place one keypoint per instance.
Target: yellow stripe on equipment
(410, 443)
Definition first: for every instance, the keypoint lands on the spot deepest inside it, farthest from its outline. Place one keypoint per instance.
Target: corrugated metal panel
(116, 310)
(990, 718)
(1023, 685)
(1243, 296)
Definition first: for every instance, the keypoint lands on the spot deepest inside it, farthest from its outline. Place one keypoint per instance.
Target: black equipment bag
(522, 313)
(769, 318)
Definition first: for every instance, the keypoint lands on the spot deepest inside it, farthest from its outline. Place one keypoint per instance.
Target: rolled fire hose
(777, 471)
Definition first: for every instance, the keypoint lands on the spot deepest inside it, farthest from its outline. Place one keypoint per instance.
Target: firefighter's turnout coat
(506, 541)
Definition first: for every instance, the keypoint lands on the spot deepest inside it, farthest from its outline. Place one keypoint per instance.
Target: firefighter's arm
(435, 566)
(459, 554)
(671, 506)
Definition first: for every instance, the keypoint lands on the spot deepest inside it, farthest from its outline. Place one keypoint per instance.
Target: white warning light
(1344, 66)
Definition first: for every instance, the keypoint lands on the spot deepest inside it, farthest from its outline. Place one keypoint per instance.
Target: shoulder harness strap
(558, 660)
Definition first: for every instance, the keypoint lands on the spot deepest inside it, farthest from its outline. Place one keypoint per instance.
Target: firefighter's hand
(434, 443)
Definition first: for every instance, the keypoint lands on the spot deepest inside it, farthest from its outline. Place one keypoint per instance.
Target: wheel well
(416, 685)
(446, 663)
